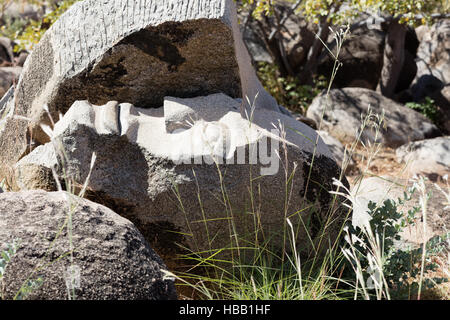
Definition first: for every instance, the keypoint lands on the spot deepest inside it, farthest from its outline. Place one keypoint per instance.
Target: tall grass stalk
(31, 282)
(271, 275)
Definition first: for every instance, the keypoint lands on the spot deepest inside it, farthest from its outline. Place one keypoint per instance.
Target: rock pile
(189, 146)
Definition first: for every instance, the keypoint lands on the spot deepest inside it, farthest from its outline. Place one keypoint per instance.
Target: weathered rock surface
(362, 58)
(343, 112)
(297, 36)
(379, 189)
(336, 148)
(134, 51)
(430, 157)
(6, 52)
(8, 75)
(433, 74)
(143, 169)
(110, 256)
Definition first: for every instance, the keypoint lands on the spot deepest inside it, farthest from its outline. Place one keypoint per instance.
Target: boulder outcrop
(136, 52)
(194, 160)
(98, 253)
(343, 112)
(430, 157)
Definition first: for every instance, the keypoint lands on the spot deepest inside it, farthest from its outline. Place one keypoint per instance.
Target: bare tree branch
(284, 19)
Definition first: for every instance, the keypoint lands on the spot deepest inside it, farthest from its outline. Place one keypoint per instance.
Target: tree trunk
(316, 49)
(393, 59)
(310, 67)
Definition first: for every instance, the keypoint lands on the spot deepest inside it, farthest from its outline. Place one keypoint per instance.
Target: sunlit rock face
(189, 146)
(130, 51)
(165, 180)
(343, 112)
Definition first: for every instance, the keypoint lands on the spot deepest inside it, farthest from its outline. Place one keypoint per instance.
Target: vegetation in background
(400, 267)
(427, 108)
(288, 91)
(395, 15)
(28, 33)
(5, 258)
(368, 263)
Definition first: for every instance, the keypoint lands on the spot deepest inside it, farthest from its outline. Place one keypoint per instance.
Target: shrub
(427, 108)
(287, 91)
(382, 261)
(28, 33)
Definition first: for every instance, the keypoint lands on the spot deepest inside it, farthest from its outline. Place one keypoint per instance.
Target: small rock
(21, 58)
(428, 157)
(336, 148)
(379, 189)
(8, 75)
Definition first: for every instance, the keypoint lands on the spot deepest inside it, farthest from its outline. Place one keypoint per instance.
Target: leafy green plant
(5, 258)
(287, 90)
(27, 37)
(400, 267)
(427, 108)
(12, 27)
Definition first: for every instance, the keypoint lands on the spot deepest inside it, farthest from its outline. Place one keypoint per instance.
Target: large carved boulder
(188, 172)
(134, 51)
(96, 255)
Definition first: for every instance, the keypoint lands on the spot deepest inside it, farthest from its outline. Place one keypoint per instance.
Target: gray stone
(4, 100)
(345, 107)
(429, 157)
(24, 10)
(143, 170)
(8, 75)
(337, 149)
(379, 189)
(21, 58)
(433, 70)
(297, 36)
(255, 46)
(137, 52)
(182, 113)
(433, 56)
(6, 52)
(111, 257)
(361, 56)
